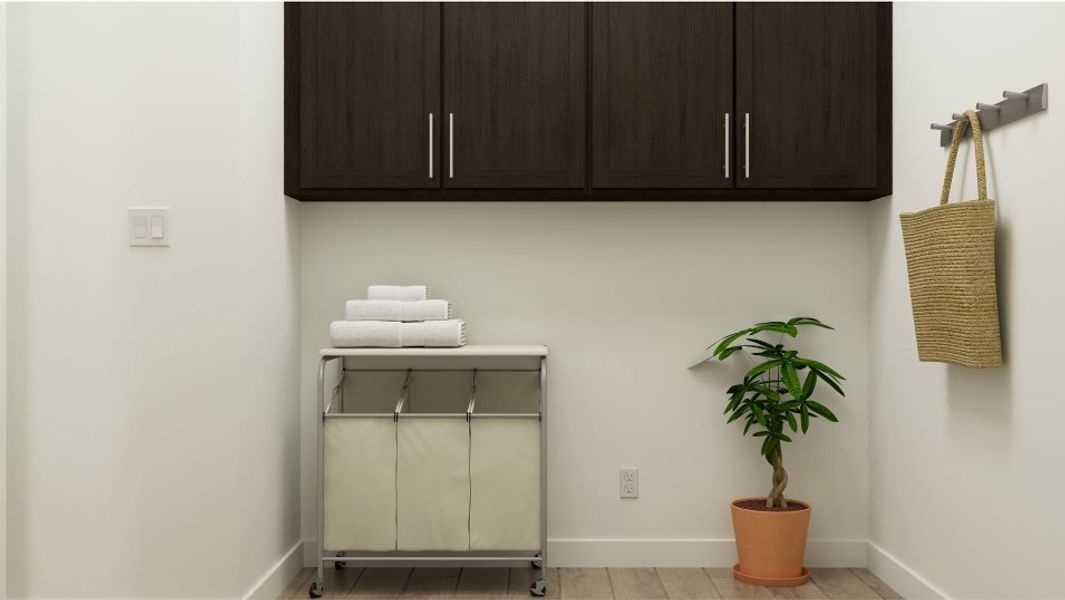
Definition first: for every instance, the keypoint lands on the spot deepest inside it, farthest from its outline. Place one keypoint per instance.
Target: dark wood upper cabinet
(587, 101)
(369, 79)
(661, 92)
(514, 82)
(807, 91)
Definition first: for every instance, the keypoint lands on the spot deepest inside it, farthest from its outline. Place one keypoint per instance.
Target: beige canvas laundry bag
(950, 258)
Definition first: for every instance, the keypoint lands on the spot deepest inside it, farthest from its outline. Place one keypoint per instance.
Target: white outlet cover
(149, 226)
(629, 482)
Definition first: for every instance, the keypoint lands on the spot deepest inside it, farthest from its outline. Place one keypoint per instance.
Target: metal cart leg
(318, 585)
(539, 587)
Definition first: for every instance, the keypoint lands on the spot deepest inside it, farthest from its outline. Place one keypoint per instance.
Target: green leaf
(782, 436)
(761, 434)
(730, 351)
(765, 391)
(726, 342)
(762, 343)
(809, 385)
(804, 417)
(822, 410)
(750, 421)
(759, 369)
(739, 412)
(776, 326)
(768, 444)
(791, 380)
(809, 321)
(733, 403)
(831, 382)
(759, 415)
(820, 367)
(791, 421)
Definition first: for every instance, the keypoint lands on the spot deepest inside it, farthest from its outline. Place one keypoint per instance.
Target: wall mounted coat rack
(1015, 106)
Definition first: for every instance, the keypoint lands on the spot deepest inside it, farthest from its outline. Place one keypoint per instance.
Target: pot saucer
(771, 581)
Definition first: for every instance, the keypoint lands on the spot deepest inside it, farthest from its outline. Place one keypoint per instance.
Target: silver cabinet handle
(430, 145)
(726, 145)
(747, 145)
(451, 145)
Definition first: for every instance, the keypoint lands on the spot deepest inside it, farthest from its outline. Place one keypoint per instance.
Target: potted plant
(774, 398)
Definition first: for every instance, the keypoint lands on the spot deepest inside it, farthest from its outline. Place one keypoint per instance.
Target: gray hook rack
(1014, 107)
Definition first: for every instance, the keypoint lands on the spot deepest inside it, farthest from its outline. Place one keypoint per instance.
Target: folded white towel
(407, 293)
(394, 334)
(397, 310)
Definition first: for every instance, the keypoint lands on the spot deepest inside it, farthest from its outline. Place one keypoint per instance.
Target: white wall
(152, 406)
(965, 464)
(625, 295)
(3, 300)
(151, 426)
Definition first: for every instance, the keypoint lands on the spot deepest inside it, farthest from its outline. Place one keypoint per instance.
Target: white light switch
(157, 227)
(140, 227)
(148, 226)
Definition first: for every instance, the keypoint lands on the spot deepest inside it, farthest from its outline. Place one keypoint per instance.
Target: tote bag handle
(978, 143)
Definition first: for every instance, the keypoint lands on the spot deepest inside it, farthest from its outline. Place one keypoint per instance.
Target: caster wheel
(338, 565)
(315, 591)
(538, 588)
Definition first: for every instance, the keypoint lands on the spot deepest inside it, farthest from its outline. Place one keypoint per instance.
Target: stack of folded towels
(395, 316)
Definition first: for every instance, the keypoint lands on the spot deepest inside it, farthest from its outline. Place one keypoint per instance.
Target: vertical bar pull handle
(430, 145)
(451, 145)
(747, 145)
(726, 145)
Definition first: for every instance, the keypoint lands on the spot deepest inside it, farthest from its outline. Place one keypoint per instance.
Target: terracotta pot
(770, 543)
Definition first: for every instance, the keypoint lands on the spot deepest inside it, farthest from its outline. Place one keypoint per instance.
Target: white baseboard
(277, 577)
(686, 553)
(671, 553)
(904, 580)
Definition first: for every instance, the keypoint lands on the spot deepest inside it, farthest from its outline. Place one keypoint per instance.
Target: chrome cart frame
(538, 587)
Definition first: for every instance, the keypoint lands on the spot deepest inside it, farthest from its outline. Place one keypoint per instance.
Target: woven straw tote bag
(950, 258)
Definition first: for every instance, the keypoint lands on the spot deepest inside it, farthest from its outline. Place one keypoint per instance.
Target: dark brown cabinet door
(514, 80)
(661, 92)
(369, 86)
(806, 89)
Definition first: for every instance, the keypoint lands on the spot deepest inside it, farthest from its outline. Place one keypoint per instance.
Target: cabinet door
(661, 90)
(806, 84)
(514, 79)
(369, 88)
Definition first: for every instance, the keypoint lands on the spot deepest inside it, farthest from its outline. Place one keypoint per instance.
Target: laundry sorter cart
(432, 455)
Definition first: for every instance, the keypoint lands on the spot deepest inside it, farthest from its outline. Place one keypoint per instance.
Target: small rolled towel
(406, 293)
(394, 334)
(397, 310)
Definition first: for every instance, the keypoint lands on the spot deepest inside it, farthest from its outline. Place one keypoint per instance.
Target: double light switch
(148, 226)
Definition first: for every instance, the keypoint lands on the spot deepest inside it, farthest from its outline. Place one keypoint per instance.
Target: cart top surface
(472, 350)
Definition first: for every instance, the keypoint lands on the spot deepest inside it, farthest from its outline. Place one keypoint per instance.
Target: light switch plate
(149, 226)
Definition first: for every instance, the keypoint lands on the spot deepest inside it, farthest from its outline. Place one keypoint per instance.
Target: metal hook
(942, 127)
(991, 107)
(958, 117)
(1015, 95)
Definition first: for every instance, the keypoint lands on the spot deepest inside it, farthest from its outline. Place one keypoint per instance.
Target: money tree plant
(777, 392)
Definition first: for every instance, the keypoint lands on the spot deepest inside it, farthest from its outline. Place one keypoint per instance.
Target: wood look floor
(583, 584)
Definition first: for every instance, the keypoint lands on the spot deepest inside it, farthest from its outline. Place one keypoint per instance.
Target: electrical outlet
(629, 483)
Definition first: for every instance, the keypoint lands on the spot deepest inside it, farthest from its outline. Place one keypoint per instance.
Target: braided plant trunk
(780, 480)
